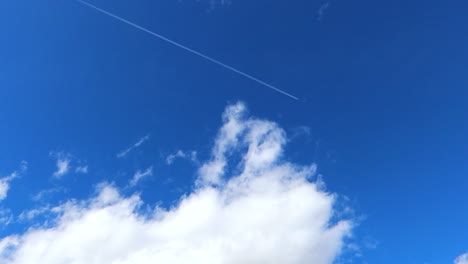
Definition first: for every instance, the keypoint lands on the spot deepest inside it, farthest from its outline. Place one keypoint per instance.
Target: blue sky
(381, 113)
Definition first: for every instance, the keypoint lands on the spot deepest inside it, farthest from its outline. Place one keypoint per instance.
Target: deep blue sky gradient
(382, 86)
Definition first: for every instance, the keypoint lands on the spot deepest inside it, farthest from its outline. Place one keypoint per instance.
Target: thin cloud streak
(321, 12)
(189, 50)
(5, 181)
(140, 175)
(140, 142)
(180, 154)
(47, 193)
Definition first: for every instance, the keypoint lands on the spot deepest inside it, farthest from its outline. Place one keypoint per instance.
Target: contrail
(188, 49)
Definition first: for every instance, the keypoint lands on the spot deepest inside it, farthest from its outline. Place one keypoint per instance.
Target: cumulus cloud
(463, 259)
(256, 209)
(124, 153)
(5, 181)
(140, 175)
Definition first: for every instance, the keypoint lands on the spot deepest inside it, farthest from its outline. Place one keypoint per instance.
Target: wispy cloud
(82, 169)
(33, 213)
(62, 163)
(45, 194)
(322, 10)
(63, 166)
(6, 218)
(140, 175)
(180, 154)
(300, 131)
(66, 163)
(5, 181)
(124, 153)
(219, 3)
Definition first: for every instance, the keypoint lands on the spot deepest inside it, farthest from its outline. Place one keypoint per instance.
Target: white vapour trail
(188, 49)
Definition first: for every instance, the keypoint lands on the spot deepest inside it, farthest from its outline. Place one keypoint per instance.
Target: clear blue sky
(382, 88)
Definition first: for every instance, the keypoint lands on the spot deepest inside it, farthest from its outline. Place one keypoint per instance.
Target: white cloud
(5, 181)
(140, 142)
(4, 187)
(227, 138)
(6, 217)
(268, 211)
(63, 161)
(463, 259)
(66, 163)
(63, 166)
(180, 154)
(140, 175)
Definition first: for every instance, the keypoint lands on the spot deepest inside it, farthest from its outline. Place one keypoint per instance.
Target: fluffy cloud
(5, 181)
(262, 209)
(463, 259)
